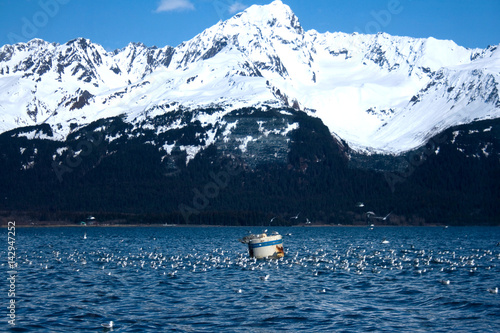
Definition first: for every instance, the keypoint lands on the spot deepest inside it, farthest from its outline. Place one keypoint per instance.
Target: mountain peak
(275, 14)
(279, 6)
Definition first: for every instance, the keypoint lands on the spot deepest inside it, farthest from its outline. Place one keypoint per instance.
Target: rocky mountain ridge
(380, 93)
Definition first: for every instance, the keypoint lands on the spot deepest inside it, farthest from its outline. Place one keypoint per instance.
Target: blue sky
(115, 23)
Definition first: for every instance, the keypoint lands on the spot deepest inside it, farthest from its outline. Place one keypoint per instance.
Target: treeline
(123, 181)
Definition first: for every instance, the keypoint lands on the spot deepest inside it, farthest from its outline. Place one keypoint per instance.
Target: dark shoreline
(105, 225)
(239, 219)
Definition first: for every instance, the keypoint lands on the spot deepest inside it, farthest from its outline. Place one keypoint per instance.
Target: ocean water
(169, 279)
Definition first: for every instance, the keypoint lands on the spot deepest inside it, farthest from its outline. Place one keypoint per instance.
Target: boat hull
(266, 247)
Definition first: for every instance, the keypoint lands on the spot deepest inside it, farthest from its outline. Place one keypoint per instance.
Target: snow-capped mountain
(379, 93)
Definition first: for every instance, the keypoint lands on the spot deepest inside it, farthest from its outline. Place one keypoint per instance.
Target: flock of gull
(353, 260)
(308, 262)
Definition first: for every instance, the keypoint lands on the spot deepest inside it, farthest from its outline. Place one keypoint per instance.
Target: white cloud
(170, 5)
(237, 7)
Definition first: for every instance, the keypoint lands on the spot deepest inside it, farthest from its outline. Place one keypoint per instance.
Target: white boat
(262, 246)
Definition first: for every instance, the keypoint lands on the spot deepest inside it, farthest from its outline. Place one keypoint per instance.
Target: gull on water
(493, 290)
(108, 325)
(265, 278)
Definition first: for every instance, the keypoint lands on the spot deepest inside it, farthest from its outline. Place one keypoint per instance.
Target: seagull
(445, 282)
(307, 221)
(85, 236)
(371, 214)
(382, 218)
(108, 325)
(264, 278)
(295, 217)
(360, 204)
(385, 241)
(272, 220)
(494, 290)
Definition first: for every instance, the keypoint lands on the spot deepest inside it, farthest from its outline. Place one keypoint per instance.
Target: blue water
(201, 280)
